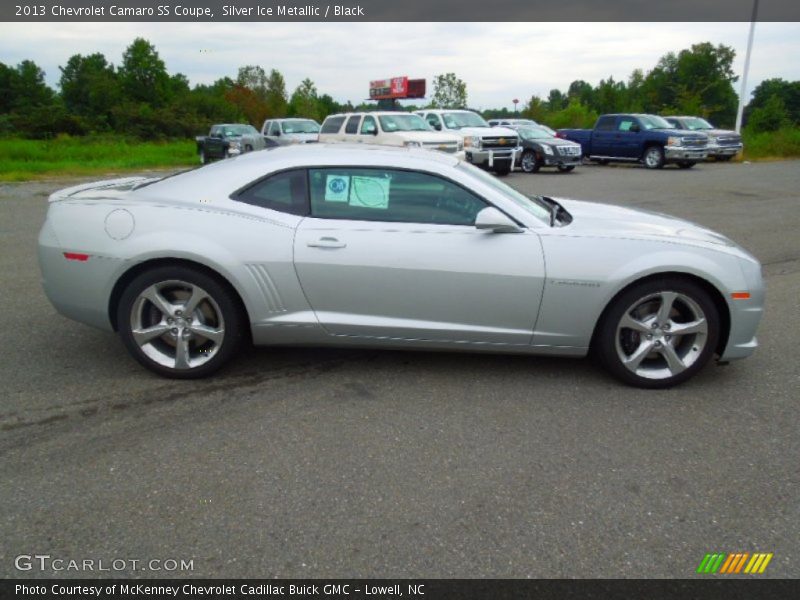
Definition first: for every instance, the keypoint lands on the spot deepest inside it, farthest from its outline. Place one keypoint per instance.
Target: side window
(368, 127)
(352, 124)
(625, 123)
(285, 192)
(678, 124)
(362, 194)
(605, 124)
(332, 125)
(433, 120)
(214, 131)
(274, 129)
(265, 127)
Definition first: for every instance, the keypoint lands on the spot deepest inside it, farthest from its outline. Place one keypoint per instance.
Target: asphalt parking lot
(321, 463)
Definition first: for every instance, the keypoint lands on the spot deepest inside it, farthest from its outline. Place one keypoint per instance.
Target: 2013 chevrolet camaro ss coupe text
(391, 248)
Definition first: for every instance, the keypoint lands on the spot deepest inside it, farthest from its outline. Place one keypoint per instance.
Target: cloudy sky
(499, 61)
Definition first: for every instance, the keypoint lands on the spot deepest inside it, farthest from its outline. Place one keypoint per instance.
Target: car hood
(426, 136)
(488, 131)
(719, 132)
(301, 137)
(608, 220)
(551, 142)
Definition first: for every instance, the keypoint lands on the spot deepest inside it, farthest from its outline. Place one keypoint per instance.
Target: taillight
(76, 256)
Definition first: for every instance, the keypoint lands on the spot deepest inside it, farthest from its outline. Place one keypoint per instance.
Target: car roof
(219, 179)
(371, 112)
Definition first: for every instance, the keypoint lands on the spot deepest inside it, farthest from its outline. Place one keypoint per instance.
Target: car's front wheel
(654, 157)
(502, 169)
(180, 322)
(566, 168)
(658, 333)
(529, 163)
(686, 164)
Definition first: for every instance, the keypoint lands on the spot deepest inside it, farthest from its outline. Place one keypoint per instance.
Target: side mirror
(216, 136)
(374, 131)
(492, 219)
(278, 132)
(635, 128)
(438, 127)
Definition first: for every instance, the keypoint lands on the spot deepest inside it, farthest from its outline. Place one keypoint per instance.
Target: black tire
(502, 169)
(603, 161)
(566, 169)
(612, 339)
(653, 157)
(686, 164)
(724, 158)
(529, 163)
(229, 325)
(248, 148)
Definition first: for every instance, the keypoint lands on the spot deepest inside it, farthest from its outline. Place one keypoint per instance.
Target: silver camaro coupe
(390, 248)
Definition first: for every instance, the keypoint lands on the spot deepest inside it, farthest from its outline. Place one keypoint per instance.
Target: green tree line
(140, 98)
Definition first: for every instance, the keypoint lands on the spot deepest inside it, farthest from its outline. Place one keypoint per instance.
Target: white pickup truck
(495, 148)
(388, 129)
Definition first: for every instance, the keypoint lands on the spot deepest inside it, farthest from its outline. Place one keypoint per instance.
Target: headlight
(547, 149)
(412, 144)
(673, 141)
(472, 141)
(234, 145)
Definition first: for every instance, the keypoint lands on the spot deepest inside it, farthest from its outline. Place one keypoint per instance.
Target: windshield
(531, 204)
(534, 133)
(390, 123)
(697, 124)
(236, 130)
(457, 120)
(654, 122)
(304, 126)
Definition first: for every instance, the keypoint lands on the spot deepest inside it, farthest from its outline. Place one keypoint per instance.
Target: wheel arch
(651, 144)
(716, 296)
(141, 267)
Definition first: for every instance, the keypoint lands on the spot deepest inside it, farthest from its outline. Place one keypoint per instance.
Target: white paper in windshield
(370, 192)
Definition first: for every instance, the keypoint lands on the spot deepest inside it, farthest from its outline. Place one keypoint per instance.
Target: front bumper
(488, 157)
(745, 315)
(561, 161)
(680, 153)
(727, 150)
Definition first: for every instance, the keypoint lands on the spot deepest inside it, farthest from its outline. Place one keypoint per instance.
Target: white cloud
(499, 61)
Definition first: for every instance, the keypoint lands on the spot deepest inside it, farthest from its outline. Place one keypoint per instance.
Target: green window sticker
(370, 192)
(337, 188)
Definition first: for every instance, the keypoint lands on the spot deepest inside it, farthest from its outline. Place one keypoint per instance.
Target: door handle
(326, 242)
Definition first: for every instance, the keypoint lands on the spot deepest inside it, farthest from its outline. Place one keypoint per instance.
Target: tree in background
(90, 89)
(276, 98)
(304, 101)
(449, 92)
(787, 91)
(144, 75)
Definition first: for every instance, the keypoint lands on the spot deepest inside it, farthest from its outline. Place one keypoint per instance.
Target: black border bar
(716, 588)
(397, 10)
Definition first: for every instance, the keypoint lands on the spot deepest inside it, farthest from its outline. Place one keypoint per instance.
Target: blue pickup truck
(648, 139)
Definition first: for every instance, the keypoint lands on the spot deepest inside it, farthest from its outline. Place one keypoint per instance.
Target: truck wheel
(502, 170)
(724, 158)
(566, 169)
(603, 161)
(686, 164)
(248, 148)
(654, 157)
(529, 163)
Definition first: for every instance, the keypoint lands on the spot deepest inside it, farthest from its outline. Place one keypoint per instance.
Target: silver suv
(282, 132)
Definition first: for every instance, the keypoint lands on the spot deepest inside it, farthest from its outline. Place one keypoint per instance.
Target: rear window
(285, 192)
(332, 125)
(605, 123)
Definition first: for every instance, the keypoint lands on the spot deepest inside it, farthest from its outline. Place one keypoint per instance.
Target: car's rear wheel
(180, 322)
(529, 163)
(658, 333)
(654, 157)
(566, 168)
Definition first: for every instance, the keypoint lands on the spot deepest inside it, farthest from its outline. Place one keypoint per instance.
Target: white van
(389, 129)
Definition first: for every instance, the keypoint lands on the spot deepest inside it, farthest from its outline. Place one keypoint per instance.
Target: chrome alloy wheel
(528, 162)
(652, 157)
(177, 324)
(661, 335)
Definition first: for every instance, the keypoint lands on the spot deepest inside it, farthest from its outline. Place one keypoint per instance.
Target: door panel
(446, 283)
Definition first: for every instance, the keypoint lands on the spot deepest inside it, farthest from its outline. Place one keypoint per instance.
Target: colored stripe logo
(725, 563)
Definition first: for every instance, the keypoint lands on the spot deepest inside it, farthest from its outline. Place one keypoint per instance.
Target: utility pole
(742, 98)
